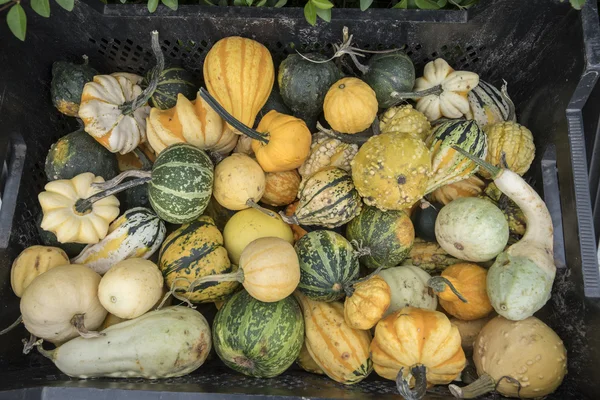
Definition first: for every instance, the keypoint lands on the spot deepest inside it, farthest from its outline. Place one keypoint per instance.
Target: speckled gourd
(405, 119)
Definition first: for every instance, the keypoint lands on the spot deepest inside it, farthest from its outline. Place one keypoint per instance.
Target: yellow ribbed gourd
(510, 143)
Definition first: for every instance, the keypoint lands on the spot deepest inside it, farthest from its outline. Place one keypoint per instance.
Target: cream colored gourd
(469, 331)
(409, 288)
(166, 343)
(523, 359)
(239, 182)
(130, 288)
(32, 262)
(450, 100)
(62, 303)
(59, 200)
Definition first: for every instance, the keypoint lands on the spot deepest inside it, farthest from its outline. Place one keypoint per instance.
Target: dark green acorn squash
(49, 239)
(171, 82)
(76, 153)
(424, 220)
(67, 84)
(304, 84)
(387, 73)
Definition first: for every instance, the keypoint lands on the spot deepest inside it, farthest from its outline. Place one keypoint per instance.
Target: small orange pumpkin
(350, 106)
(466, 281)
(367, 304)
(281, 188)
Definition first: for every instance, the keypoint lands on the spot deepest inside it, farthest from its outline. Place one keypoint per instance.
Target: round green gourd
(48, 238)
(328, 263)
(171, 82)
(76, 153)
(388, 235)
(304, 84)
(258, 339)
(388, 73)
(67, 84)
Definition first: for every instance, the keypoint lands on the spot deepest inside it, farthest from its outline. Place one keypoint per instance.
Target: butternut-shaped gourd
(239, 182)
(368, 301)
(60, 216)
(350, 106)
(32, 262)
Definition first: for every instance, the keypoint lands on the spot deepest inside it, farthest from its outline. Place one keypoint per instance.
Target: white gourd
(409, 288)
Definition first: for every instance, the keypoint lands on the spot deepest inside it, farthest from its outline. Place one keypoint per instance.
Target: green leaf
(577, 4)
(209, 2)
(172, 4)
(325, 15)
(427, 5)
(123, 1)
(42, 7)
(364, 4)
(152, 5)
(280, 3)
(17, 21)
(4, 1)
(239, 3)
(223, 3)
(310, 13)
(66, 4)
(442, 3)
(322, 4)
(261, 3)
(402, 4)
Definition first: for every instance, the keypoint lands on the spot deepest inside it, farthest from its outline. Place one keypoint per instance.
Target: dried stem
(78, 322)
(12, 326)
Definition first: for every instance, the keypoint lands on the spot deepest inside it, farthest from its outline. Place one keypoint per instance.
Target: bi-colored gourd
(239, 182)
(471, 229)
(62, 303)
(239, 74)
(414, 339)
(281, 188)
(326, 151)
(524, 359)
(137, 233)
(449, 90)
(137, 348)
(67, 84)
(409, 288)
(429, 256)
(510, 145)
(391, 171)
(194, 251)
(59, 202)
(350, 106)
(461, 289)
(32, 262)
(349, 361)
(130, 288)
(367, 303)
(171, 82)
(470, 187)
(256, 338)
(405, 119)
(488, 105)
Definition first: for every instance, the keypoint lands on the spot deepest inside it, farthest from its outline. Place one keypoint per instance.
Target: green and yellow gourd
(138, 233)
(488, 105)
(517, 223)
(327, 199)
(193, 251)
(510, 145)
(171, 82)
(449, 166)
(405, 119)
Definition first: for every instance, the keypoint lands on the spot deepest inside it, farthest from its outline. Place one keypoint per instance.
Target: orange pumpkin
(350, 106)
(281, 188)
(367, 303)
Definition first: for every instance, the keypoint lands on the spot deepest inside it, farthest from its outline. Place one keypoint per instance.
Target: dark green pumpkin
(304, 84)
(67, 84)
(76, 153)
(424, 220)
(328, 264)
(389, 236)
(274, 102)
(388, 73)
(49, 239)
(171, 82)
(258, 339)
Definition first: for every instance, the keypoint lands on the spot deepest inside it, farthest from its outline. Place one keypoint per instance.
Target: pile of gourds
(428, 198)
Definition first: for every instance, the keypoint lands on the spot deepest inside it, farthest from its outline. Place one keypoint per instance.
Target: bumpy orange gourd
(470, 187)
(239, 74)
(469, 280)
(350, 106)
(412, 337)
(281, 188)
(369, 301)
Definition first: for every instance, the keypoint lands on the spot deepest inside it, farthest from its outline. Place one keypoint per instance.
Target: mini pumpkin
(510, 145)
(350, 106)
(281, 188)
(326, 151)
(367, 303)
(470, 187)
(239, 182)
(405, 119)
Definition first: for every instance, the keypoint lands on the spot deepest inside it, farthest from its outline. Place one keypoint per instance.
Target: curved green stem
(357, 138)
(435, 90)
(493, 171)
(263, 210)
(84, 205)
(511, 105)
(481, 386)
(214, 104)
(233, 276)
(29, 344)
(12, 326)
(130, 106)
(292, 220)
(146, 163)
(439, 283)
(419, 372)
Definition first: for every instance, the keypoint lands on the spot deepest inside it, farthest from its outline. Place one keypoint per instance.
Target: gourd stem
(511, 105)
(86, 59)
(146, 163)
(230, 277)
(28, 344)
(12, 326)
(357, 138)
(133, 173)
(493, 170)
(214, 104)
(439, 283)
(83, 205)
(78, 322)
(289, 219)
(172, 291)
(253, 204)
(419, 372)
(435, 90)
(483, 385)
(130, 106)
(46, 353)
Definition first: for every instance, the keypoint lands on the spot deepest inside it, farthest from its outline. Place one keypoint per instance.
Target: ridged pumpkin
(340, 351)
(239, 74)
(411, 337)
(32, 262)
(511, 146)
(470, 187)
(326, 151)
(239, 182)
(281, 188)
(469, 280)
(350, 106)
(391, 171)
(192, 122)
(405, 119)
(368, 303)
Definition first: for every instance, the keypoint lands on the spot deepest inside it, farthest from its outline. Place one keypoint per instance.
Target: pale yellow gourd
(32, 262)
(239, 181)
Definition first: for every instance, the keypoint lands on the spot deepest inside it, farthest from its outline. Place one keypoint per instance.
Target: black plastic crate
(548, 52)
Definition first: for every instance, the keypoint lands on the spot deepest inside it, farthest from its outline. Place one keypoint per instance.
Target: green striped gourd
(328, 264)
(388, 235)
(137, 233)
(193, 251)
(181, 185)
(258, 339)
(448, 165)
(327, 199)
(171, 82)
(488, 105)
